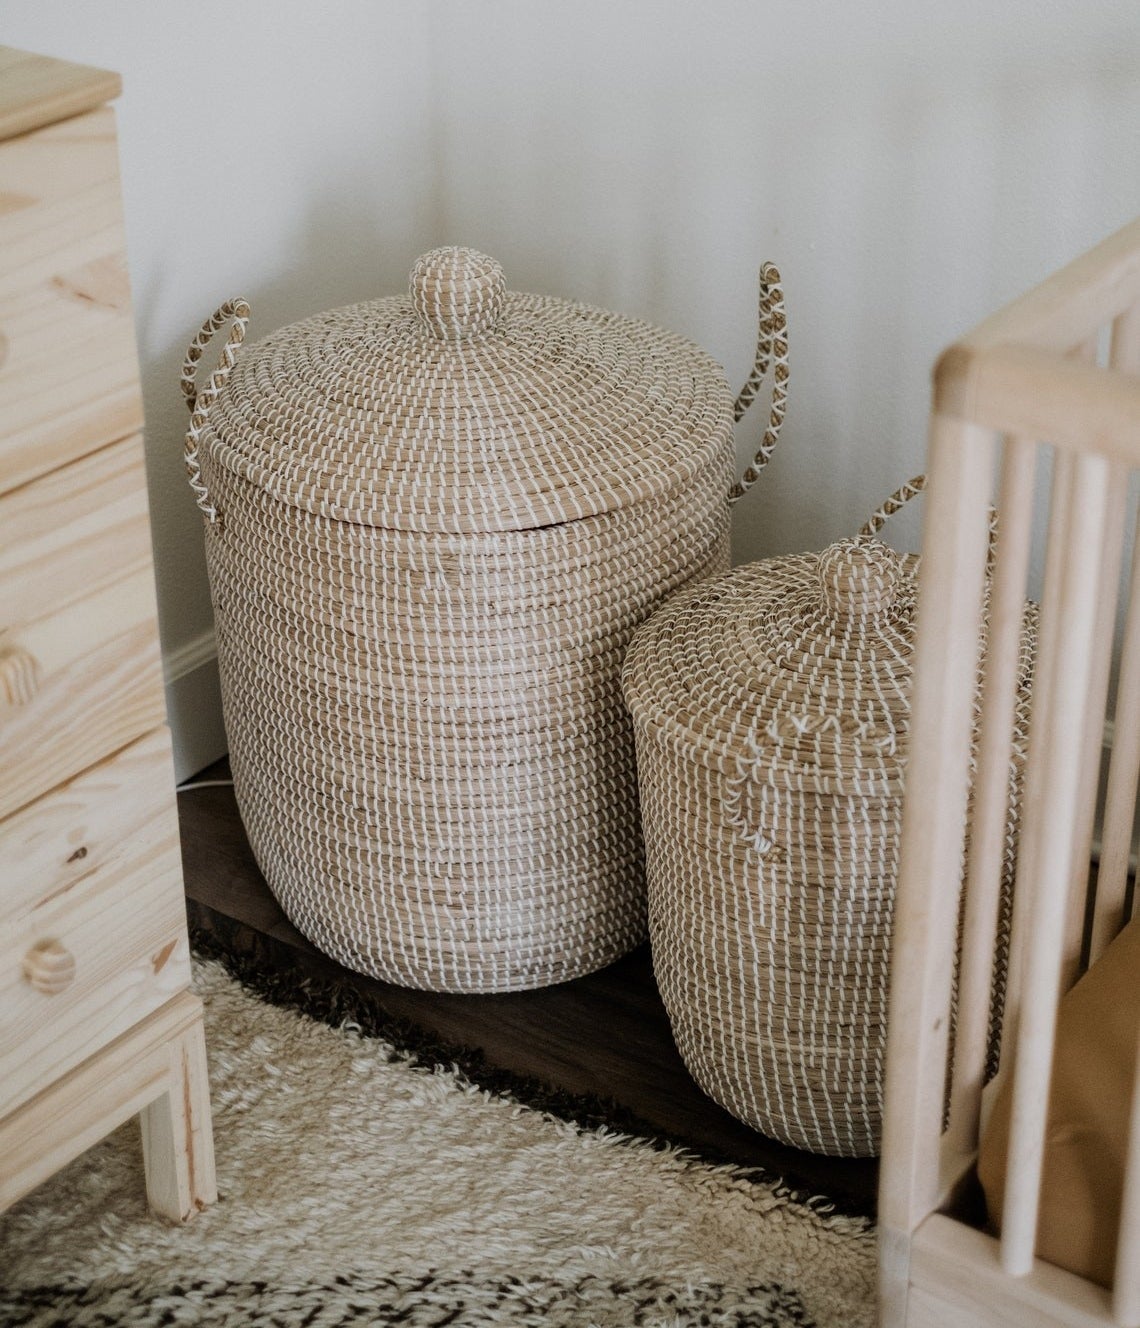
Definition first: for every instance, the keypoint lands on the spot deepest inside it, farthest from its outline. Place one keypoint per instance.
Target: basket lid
(794, 668)
(466, 407)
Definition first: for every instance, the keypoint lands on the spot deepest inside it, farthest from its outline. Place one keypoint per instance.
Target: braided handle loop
(899, 499)
(895, 503)
(771, 354)
(200, 402)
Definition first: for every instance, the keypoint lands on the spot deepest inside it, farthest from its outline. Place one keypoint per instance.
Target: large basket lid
(463, 406)
(794, 669)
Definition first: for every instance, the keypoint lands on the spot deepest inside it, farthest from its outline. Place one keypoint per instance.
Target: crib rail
(1028, 418)
(1070, 307)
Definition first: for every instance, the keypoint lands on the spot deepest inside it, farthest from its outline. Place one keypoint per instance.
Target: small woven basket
(433, 522)
(771, 712)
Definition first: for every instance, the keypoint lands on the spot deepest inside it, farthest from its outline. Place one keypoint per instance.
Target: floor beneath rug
(604, 1037)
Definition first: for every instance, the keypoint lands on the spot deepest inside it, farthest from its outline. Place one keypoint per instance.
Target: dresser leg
(178, 1143)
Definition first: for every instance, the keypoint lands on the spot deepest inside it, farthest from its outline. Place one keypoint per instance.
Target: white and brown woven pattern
(771, 711)
(440, 518)
(466, 408)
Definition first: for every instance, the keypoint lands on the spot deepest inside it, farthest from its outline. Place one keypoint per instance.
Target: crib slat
(1043, 676)
(1124, 763)
(1108, 593)
(1123, 781)
(1124, 348)
(991, 793)
(1112, 549)
(1126, 1279)
(945, 673)
(1053, 796)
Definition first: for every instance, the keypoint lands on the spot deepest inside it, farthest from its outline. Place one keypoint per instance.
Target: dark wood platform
(604, 1036)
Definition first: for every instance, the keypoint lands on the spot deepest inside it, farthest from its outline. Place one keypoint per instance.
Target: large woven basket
(771, 710)
(433, 522)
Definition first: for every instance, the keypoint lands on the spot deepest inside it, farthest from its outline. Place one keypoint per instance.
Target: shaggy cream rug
(358, 1187)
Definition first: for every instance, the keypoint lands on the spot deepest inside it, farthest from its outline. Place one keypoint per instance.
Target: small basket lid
(796, 669)
(466, 407)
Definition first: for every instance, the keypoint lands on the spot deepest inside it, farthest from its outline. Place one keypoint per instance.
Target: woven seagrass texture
(494, 411)
(439, 519)
(771, 711)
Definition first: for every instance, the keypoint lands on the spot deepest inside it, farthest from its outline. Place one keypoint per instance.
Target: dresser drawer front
(68, 364)
(79, 683)
(73, 532)
(79, 668)
(92, 916)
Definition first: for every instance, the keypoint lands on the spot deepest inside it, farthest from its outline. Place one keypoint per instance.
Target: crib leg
(945, 673)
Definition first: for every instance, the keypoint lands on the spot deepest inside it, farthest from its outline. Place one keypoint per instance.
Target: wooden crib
(1044, 396)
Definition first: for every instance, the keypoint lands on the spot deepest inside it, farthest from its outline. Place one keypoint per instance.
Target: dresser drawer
(77, 684)
(72, 532)
(79, 666)
(92, 917)
(68, 364)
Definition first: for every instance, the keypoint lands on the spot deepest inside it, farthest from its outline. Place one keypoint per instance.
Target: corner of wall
(194, 705)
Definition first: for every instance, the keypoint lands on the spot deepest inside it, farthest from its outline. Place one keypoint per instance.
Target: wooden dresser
(96, 1019)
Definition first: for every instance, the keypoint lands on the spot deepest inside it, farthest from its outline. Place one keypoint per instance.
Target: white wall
(909, 165)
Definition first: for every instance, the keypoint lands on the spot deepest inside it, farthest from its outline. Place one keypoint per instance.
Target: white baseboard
(194, 705)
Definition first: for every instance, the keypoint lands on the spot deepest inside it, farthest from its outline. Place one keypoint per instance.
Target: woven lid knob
(858, 578)
(456, 292)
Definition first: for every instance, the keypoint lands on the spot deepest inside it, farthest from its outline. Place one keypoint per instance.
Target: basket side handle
(895, 503)
(899, 499)
(771, 354)
(236, 312)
